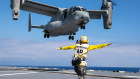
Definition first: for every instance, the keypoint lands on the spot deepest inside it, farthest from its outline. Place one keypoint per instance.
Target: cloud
(28, 52)
(21, 50)
(126, 55)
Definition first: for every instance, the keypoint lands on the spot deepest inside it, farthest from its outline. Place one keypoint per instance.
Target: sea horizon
(126, 69)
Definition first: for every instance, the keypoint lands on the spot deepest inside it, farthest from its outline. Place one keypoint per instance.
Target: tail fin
(30, 24)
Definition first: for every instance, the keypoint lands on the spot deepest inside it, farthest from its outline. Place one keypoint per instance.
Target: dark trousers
(80, 70)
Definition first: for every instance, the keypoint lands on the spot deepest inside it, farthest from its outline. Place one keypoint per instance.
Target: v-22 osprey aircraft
(64, 21)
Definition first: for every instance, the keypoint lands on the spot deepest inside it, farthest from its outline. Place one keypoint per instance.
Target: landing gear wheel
(45, 35)
(48, 35)
(72, 37)
(83, 27)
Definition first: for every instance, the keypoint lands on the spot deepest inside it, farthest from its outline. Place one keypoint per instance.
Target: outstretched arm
(92, 47)
(67, 47)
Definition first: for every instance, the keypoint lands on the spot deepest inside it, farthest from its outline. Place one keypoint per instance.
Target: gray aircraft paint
(64, 21)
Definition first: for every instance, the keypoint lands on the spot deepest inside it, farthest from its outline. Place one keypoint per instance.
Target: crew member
(80, 56)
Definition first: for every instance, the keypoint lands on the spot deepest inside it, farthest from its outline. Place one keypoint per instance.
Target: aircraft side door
(65, 13)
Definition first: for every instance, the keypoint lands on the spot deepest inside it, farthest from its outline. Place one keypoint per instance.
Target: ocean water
(127, 69)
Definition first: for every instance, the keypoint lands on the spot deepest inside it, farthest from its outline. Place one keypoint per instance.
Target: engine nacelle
(107, 18)
(15, 6)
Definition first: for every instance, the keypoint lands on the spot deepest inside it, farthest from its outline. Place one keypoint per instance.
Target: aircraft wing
(96, 14)
(39, 8)
(32, 6)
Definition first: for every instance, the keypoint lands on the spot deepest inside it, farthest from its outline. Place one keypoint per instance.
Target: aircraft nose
(82, 16)
(85, 17)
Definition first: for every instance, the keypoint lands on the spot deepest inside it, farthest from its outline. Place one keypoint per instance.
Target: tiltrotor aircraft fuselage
(64, 21)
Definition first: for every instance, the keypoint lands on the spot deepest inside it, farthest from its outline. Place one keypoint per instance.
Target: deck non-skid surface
(66, 74)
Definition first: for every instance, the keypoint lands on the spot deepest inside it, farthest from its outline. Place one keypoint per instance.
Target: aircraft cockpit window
(73, 9)
(76, 9)
(83, 9)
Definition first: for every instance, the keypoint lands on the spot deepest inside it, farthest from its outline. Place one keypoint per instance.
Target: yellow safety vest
(82, 50)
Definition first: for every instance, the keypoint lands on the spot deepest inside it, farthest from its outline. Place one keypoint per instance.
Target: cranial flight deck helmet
(84, 39)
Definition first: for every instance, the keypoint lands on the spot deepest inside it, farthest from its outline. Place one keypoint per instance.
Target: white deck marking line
(18, 73)
(133, 76)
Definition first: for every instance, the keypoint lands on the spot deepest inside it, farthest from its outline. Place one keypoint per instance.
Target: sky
(20, 47)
